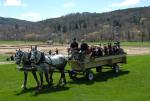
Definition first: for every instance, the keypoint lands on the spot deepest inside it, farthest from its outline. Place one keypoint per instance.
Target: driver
(74, 45)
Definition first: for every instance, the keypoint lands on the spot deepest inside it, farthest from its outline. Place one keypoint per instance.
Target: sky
(36, 10)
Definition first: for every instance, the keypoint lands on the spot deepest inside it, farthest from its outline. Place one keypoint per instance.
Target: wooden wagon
(84, 67)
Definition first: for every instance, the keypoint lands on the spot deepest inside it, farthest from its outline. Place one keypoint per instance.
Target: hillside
(131, 24)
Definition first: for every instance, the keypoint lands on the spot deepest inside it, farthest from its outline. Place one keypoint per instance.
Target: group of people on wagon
(96, 50)
(105, 50)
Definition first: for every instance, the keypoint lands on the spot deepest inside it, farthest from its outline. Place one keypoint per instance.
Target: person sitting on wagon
(105, 49)
(110, 49)
(117, 44)
(119, 50)
(74, 45)
(117, 47)
(83, 49)
(99, 51)
(93, 52)
(73, 49)
(114, 47)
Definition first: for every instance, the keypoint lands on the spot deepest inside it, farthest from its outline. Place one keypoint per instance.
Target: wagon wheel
(116, 68)
(89, 75)
(99, 69)
(72, 75)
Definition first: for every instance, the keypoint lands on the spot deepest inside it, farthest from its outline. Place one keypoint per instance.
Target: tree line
(125, 25)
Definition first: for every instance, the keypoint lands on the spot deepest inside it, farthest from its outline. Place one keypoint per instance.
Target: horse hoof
(23, 87)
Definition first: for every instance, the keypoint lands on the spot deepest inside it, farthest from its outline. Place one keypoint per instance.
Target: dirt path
(7, 49)
(137, 50)
(1, 63)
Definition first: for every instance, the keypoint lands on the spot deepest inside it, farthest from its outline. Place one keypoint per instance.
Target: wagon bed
(99, 61)
(88, 63)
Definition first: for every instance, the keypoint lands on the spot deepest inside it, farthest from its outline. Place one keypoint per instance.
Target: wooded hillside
(127, 25)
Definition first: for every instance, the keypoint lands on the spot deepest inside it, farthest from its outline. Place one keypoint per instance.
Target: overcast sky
(35, 10)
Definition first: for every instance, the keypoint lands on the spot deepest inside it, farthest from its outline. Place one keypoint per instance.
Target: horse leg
(25, 80)
(62, 78)
(47, 80)
(41, 79)
(51, 77)
(36, 79)
(63, 73)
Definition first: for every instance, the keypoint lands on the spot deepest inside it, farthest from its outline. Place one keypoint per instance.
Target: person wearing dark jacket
(83, 50)
(74, 44)
(83, 47)
(99, 51)
(105, 50)
(73, 50)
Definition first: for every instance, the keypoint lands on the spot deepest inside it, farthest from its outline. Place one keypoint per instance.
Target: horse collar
(50, 60)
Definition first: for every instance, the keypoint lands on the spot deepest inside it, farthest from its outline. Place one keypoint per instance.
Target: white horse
(48, 63)
(23, 59)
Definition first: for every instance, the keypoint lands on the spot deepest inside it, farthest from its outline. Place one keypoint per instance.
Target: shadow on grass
(26, 91)
(51, 90)
(46, 89)
(99, 77)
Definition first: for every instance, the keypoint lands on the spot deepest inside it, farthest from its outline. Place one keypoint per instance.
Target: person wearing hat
(83, 50)
(73, 50)
(84, 46)
(74, 45)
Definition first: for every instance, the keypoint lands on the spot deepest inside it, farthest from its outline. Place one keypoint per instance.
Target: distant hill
(131, 24)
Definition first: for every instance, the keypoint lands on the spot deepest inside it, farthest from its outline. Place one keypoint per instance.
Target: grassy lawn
(20, 42)
(3, 58)
(146, 44)
(131, 84)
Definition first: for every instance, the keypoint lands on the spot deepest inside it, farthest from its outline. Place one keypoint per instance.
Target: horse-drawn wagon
(84, 67)
(81, 62)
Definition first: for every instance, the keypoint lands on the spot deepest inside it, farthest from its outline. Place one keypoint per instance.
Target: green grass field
(3, 58)
(146, 44)
(20, 42)
(131, 84)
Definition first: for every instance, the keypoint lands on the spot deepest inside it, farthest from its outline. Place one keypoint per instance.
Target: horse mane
(26, 58)
(42, 57)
